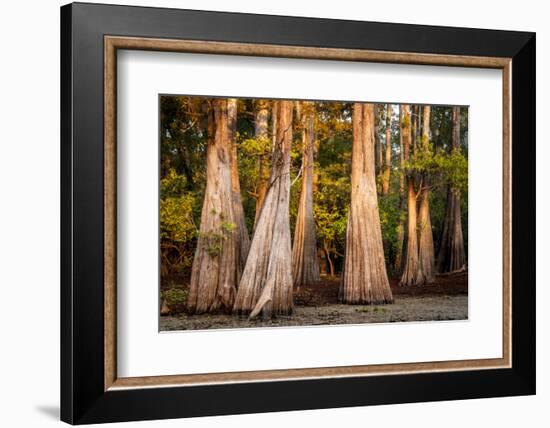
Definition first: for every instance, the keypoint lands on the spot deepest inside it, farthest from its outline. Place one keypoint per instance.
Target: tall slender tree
(379, 160)
(242, 232)
(261, 114)
(387, 154)
(410, 267)
(401, 222)
(305, 265)
(452, 256)
(364, 279)
(266, 283)
(426, 270)
(416, 129)
(215, 272)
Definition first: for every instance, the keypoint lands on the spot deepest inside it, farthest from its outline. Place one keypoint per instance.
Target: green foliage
(405, 122)
(176, 219)
(442, 168)
(332, 195)
(455, 169)
(178, 229)
(228, 227)
(174, 296)
(250, 151)
(255, 146)
(390, 216)
(214, 239)
(176, 209)
(214, 242)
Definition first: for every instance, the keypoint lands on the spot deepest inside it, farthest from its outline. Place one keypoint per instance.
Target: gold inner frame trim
(113, 43)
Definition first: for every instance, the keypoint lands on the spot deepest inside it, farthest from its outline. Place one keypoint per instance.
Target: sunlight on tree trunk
(261, 113)
(410, 267)
(266, 283)
(305, 265)
(401, 222)
(410, 270)
(215, 271)
(426, 269)
(364, 280)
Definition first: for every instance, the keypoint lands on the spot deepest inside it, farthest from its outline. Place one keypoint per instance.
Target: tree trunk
(410, 267)
(261, 113)
(266, 283)
(426, 269)
(242, 231)
(378, 144)
(401, 225)
(364, 280)
(387, 159)
(415, 125)
(305, 266)
(452, 256)
(410, 270)
(326, 250)
(215, 272)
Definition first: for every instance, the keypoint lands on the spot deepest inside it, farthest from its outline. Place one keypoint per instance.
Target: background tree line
(231, 168)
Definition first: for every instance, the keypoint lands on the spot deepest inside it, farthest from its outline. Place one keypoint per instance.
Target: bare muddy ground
(404, 309)
(447, 299)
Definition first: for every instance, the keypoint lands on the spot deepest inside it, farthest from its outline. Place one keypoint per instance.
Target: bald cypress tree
(266, 284)
(215, 272)
(242, 232)
(386, 175)
(261, 115)
(426, 268)
(410, 266)
(452, 257)
(364, 280)
(305, 265)
(401, 223)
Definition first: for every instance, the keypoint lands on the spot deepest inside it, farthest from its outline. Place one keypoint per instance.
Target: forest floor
(446, 299)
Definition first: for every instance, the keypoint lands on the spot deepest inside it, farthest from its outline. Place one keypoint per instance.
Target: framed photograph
(267, 213)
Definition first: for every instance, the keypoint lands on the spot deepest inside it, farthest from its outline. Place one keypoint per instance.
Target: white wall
(29, 218)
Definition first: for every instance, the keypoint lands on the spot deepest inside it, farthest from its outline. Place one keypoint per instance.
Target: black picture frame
(83, 398)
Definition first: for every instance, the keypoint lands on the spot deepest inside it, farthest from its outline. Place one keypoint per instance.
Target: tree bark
(326, 250)
(387, 159)
(266, 283)
(364, 280)
(242, 231)
(378, 144)
(215, 272)
(426, 268)
(416, 126)
(452, 256)
(411, 264)
(261, 113)
(410, 269)
(305, 265)
(401, 225)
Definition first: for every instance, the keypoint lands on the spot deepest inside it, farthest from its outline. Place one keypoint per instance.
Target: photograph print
(277, 212)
